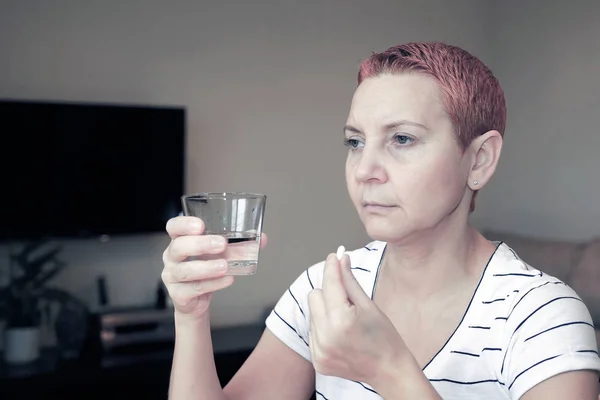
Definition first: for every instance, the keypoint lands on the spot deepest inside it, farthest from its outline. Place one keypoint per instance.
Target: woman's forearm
(193, 373)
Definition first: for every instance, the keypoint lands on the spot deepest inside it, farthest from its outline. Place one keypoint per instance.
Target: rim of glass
(224, 195)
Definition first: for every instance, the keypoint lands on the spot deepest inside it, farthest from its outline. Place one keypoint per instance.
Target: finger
(333, 288)
(184, 225)
(183, 293)
(263, 240)
(188, 246)
(354, 291)
(195, 270)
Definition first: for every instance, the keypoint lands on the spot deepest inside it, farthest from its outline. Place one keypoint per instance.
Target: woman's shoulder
(507, 269)
(531, 293)
(544, 327)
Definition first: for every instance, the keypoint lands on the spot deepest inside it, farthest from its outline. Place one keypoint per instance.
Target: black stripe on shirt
(534, 365)
(321, 394)
(529, 316)
(530, 290)
(309, 281)
(370, 249)
(588, 351)
(377, 274)
(517, 274)
(542, 306)
(467, 383)
(359, 268)
(369, 389)
(514, 254)
(493, 301)
(291, 327)
(560, 326)
(479, 327)
(464, 353)
(491, 349)
(294, 297)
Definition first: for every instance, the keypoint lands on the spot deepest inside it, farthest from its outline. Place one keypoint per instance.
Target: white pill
(340, 252)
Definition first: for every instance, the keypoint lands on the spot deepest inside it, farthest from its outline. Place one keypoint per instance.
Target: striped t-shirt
(521, 327)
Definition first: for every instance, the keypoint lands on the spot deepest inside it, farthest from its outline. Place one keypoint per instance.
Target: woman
(430, 309)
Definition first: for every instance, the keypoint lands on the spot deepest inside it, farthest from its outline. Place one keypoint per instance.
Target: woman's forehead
(387, 98)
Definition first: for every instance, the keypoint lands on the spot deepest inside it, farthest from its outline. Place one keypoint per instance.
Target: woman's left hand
(350, 337)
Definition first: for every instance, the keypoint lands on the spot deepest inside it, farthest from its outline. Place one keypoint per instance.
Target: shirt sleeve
(549, 331)
(289, 320)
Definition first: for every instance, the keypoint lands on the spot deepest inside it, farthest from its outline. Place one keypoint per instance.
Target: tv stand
(143, 374)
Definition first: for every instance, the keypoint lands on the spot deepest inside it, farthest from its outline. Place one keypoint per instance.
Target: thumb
(355, 292)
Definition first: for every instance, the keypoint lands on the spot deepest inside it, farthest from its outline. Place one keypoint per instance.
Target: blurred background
(259, 93)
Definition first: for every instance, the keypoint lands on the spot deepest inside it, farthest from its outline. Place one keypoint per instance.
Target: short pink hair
(472, 95)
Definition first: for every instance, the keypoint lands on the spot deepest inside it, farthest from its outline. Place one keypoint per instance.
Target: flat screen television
(76, 170)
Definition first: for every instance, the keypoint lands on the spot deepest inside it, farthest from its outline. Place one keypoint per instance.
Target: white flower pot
(21, 345)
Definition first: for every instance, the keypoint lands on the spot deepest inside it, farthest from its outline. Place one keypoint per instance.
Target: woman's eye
(403, 139)
(352, 143)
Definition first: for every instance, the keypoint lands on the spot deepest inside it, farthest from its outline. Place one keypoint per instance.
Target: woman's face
(405, 170)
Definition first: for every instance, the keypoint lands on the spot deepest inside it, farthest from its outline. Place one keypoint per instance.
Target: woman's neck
(433, 264)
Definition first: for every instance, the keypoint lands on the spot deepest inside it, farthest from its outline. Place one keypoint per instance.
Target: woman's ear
(486, 151)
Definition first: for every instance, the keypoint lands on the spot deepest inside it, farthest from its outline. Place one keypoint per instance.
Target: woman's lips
(376, 207)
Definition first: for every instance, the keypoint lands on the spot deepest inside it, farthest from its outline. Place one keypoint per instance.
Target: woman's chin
(384, 233)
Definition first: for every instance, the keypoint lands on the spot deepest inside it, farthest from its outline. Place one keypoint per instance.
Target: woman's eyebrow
(389, 126)
(350, 128)
(404, 122)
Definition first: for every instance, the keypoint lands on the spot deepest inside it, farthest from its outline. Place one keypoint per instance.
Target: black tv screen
(81, 170)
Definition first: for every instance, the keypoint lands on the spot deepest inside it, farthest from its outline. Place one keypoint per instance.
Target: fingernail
(218, 242)
(221, 265)
(196, 226)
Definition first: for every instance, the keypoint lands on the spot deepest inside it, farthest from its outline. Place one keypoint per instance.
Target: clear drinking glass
(236, 216)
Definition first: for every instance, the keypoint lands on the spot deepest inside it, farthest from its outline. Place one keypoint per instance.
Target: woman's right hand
(193, 265)
(192, 271)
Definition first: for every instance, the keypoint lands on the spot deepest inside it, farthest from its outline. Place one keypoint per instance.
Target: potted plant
(29, 271)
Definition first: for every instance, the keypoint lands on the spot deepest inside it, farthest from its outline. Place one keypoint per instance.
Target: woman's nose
(370, 166)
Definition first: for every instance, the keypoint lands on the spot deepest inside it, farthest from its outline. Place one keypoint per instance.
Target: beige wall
(546, 54)
(267, 85)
